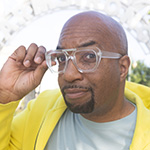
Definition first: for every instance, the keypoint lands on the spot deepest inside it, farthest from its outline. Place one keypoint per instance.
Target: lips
(73, 93)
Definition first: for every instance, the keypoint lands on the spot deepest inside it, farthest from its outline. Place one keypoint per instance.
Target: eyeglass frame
(99, 55)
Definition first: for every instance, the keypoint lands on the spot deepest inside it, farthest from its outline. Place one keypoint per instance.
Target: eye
(89, 57)
(61, 58)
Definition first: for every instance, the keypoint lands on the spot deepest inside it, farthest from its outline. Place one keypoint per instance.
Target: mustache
(75, 86)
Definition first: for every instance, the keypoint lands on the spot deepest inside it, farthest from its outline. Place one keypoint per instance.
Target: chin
(85, 108)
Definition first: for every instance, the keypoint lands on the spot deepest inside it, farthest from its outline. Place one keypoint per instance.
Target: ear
(124, 63)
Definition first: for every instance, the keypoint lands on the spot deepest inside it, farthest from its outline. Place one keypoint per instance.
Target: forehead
(74, 37)
(82, 30)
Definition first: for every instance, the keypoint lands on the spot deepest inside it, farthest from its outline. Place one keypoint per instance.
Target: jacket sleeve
(6, 117)
(12, 127)
(20, 132)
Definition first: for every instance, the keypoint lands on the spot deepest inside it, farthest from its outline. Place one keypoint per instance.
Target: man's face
(93, 92)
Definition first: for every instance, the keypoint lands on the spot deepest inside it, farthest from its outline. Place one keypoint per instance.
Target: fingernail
(38, 60)
(27, 63)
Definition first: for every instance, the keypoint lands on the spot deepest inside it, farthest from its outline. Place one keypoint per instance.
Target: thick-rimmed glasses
(86, 60)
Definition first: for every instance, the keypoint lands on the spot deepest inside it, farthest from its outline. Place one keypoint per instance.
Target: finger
(51, 61)
(19, 54)
(31, 52)
(40, 71)
(40, 55)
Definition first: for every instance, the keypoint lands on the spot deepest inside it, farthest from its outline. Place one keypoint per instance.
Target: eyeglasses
(85, 60)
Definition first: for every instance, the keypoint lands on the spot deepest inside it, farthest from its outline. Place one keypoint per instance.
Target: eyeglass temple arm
(112, 55)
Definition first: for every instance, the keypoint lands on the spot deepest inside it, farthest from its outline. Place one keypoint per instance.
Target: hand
(22, 72)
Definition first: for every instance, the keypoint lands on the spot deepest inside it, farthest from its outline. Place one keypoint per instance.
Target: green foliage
(140, 73)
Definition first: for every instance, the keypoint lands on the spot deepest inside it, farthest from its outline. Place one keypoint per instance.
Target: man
(93, 113)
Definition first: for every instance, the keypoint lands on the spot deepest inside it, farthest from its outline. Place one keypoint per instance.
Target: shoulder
(142, 91)
(49, 99)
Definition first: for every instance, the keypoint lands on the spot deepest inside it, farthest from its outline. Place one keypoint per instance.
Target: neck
(125, 108)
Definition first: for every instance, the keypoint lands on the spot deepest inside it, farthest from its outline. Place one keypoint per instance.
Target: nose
(71, 73)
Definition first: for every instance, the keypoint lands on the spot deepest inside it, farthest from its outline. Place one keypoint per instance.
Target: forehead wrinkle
(67, 36)
(82, 36)
(91, 29)
(77, 32)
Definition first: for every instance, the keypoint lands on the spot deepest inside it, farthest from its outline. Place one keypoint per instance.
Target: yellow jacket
(32, 128)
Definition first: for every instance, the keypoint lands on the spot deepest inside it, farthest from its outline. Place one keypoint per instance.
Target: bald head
(107, 33)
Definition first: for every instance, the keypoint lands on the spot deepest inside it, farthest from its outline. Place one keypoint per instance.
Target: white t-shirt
(74, 132)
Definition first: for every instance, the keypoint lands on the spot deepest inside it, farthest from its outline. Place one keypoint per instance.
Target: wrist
(7, 97)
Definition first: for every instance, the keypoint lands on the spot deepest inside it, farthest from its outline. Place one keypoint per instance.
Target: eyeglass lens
(83, 59)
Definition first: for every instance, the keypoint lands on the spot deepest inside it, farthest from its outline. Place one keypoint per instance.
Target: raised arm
(21, 73)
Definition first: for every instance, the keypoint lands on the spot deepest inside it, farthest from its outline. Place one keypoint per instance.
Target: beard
(84, 108)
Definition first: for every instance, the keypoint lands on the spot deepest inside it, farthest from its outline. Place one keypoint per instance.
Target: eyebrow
(90, 43)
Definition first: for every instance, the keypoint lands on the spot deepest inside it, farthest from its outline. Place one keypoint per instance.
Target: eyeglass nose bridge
(70, 57)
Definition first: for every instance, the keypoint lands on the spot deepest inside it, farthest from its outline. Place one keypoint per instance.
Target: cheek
(60, 80)
(106, 81)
